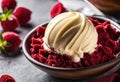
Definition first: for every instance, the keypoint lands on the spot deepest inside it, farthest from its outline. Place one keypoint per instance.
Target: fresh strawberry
(9, 41)
(8, 21)
(10, 24)
(23, 15)
(9, 4)
(57, 9)
(7, 78)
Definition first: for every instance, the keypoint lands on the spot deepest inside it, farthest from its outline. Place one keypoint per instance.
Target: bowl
(71, 73)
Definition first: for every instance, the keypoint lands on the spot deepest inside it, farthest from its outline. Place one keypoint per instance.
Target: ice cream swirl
(71, 33)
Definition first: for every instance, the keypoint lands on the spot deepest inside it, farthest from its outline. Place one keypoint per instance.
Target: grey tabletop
(19, 67)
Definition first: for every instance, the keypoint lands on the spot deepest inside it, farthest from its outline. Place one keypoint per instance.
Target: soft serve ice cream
(71, 33)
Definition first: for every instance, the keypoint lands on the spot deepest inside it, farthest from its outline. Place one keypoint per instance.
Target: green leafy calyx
(3, 44)
(6, 14)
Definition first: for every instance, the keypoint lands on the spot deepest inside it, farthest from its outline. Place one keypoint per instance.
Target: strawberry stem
(2, 50)
(3, 44)
(1, 38)
(6, 14)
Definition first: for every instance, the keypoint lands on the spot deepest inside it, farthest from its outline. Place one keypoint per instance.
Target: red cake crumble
(108, 47)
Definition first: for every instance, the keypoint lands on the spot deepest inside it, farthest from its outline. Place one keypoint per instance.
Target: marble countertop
(19, 67)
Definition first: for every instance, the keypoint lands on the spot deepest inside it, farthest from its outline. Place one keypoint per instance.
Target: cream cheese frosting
(71, 33)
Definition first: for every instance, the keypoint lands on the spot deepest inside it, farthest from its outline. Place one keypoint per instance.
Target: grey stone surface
(19, 67)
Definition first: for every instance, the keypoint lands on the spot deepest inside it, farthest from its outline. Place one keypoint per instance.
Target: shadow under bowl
(71, 73)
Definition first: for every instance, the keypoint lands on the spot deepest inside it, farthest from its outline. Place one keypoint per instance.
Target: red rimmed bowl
(72, 73)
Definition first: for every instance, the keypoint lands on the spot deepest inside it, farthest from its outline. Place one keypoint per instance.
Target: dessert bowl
(72, 73)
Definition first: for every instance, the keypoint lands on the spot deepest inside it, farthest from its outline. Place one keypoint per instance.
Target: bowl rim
(28, 56)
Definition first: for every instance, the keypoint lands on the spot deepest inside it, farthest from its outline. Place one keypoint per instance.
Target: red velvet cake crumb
(108, 47)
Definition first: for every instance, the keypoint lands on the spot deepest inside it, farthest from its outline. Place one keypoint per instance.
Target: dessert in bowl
(74, 46)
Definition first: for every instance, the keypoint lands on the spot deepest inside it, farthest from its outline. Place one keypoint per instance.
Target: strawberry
(10, 25)
(23, 15)
(7, 78)
(9, 41)
(8, 21)
(9, 4)
(57, 9)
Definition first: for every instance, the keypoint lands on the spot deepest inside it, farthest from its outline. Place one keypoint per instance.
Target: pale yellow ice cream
(71, 33)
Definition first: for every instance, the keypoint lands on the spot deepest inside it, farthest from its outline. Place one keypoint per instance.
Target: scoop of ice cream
(71, 33)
